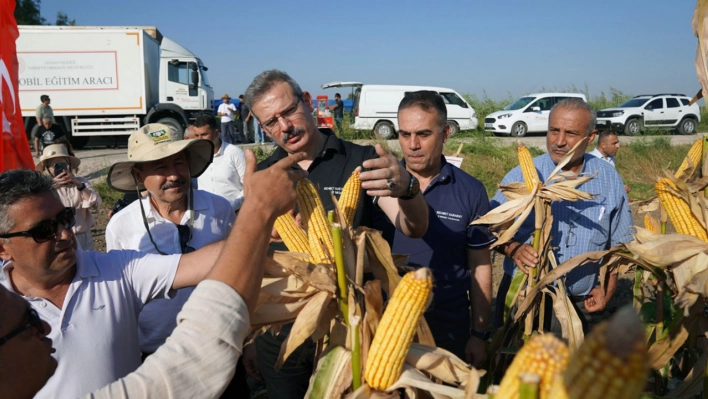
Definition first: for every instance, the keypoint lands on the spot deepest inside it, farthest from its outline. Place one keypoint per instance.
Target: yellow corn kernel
(651, 224)
(399, 322)
(678, 210)
(349, 199)
(319, 232)
(292, 235)
(612, 362)
(528, 169)
(692, 161)
(544, 355)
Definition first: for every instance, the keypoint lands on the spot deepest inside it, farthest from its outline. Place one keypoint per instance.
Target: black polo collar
(332, 143)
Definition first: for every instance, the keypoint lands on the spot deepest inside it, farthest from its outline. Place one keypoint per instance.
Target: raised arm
(410, 216)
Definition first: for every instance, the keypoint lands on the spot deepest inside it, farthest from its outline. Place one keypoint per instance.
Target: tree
(63, 20)
(27, 13)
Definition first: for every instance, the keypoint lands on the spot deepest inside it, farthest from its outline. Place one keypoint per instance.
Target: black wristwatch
(413, 188)
(82, 187)
(484, 336)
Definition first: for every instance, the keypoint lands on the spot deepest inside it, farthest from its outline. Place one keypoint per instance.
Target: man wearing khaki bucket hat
(171, 218)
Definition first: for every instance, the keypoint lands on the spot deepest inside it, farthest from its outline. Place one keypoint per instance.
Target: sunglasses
(185, 235)
(47, 230)
(33, 320)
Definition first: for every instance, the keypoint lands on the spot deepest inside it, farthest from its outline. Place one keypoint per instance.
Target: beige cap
(154, 142)
(56, 151)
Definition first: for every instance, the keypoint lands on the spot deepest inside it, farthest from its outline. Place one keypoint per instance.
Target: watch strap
(481, 335)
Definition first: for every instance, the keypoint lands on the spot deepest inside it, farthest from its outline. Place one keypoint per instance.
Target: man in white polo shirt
(90, 300)
(171, 218)
(224, 176)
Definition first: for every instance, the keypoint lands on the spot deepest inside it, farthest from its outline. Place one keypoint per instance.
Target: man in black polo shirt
(457, 253)
(285, 114)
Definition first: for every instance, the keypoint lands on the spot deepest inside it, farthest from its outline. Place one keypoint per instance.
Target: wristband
(82, 186)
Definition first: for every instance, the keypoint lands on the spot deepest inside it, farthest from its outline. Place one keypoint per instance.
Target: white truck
(109, 80)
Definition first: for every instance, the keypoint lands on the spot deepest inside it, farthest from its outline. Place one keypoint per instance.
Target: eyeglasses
(33, 320)
(185, 236)
(272, 125)
(47, 230)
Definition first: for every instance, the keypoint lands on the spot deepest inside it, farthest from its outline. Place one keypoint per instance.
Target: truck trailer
(110, 80)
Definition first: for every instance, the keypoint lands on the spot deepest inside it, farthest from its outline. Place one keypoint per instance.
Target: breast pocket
(600, 216)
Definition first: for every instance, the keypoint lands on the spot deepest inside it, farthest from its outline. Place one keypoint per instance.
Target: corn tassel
(544, 355)
(678, 210)
(397, 327)
(349, 199)
(292, 235)
(692, 160)
(528, 169)
(319, 234)
(612, 362)
(651, 224)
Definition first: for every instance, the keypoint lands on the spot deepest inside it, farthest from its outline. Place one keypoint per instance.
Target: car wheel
(518, 129)
(384, 130)
(633, 127)
(687, 126)
(173, 124)
(454, 128)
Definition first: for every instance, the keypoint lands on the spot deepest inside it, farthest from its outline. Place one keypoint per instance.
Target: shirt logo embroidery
(449, 216)
(159, 136)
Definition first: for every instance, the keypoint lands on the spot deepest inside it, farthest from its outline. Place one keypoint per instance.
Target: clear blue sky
(501, 46)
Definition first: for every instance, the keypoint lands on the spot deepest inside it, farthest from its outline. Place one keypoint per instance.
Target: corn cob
(319, 233)
(694, 155)
(528, 169)
(678, 210)
(612, 362)
(291, 234)
(544, 355)
(349, 199)
(394, 335)
(651, 224)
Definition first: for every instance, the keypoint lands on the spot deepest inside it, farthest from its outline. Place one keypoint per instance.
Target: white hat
(153, 142)
(56, 151)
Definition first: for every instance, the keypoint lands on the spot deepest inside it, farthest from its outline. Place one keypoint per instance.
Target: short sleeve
(151, 275)
(479, 236)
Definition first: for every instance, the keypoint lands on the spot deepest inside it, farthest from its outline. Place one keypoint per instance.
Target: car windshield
(518, 104)
(633, 103)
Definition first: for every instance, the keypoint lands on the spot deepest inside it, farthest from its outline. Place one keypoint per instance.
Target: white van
(529, 114)
(376, 107)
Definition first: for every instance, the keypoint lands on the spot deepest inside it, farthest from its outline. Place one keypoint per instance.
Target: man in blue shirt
(578, 227)
(457, 253)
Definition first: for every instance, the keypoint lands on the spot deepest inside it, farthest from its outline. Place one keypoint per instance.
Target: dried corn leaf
(571, 326)
(663, 250)
(660, 352)
(425, 336)
(333, 375)
(321, 277)
(473, 380)
(380, 260)
(269, 313)
(374, 304)
(649, 205)
(506, 212)
(415, 379)
(366, 392)
(305, 325)
(439, 363)
(700, 30)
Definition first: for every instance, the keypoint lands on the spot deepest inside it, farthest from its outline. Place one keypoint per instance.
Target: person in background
(608, 145)
(63, 141)
(42, 110)
(246, 120)
(578, 227)
(199, 358)
(226, 111)
(258, 136)
(46, 134)
(189, 133)
(224, 176)
(338, 109)
(285, 114)
(457, 252)
(74, 191)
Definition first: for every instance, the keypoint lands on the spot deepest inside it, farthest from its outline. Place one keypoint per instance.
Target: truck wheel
(384, 130)
(453, 128)
(173, 124)
(633, 127)
(518, 129)
(79, 142)
(687, 126)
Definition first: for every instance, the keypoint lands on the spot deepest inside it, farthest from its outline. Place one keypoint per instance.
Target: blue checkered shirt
(582, 226)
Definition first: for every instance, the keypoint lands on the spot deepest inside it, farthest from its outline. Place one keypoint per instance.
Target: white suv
(652, 111)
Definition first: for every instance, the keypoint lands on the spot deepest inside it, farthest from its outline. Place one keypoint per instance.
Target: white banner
(67, 71)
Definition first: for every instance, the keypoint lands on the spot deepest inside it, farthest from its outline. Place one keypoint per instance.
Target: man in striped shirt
(578, 227)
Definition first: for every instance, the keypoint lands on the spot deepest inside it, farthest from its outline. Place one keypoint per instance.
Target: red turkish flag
(14, 148)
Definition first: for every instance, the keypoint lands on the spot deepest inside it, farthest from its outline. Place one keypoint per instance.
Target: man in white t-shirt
(224, 176)
(226, 111)
(89, 300)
